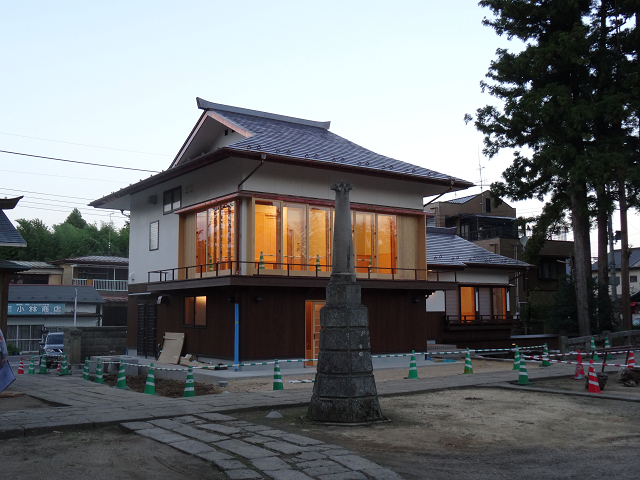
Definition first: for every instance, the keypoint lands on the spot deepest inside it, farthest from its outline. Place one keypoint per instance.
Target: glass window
(499, 301)
(467, 303)
(195, 311)
(633, 278)
(154, 228)
(387, 243)
(363, 242)
(295, 236)
(171, 200)
(267, 233)
(319, 238)
(215, 237)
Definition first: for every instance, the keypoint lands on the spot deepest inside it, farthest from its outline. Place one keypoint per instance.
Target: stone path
(244, 450)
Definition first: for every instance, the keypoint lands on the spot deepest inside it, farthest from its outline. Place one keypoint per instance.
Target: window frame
(172, 200)
(191, 315)
(157, 235)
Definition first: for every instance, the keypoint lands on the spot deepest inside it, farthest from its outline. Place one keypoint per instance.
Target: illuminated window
(267, 233)
(295, 236)
(215, 238)
(195, 311)
(363, 241)
(467, 303)
(319, 238)
(387, 243)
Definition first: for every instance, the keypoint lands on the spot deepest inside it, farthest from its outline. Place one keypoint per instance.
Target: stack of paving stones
(243, 450)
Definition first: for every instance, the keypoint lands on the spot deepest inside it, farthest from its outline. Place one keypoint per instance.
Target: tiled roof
(634, 259)
(97, 259)
(53, 293)
(462, 199)
(11, 266)
(9, 236)
(446, 248)
(28, 264)
(309, 140)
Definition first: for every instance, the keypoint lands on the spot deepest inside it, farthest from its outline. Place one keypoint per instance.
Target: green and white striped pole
(545, 357)
(188, 387)
(99, 378)
(64, 368)
(593, 349)
(122, 378)
(150, 386)
(261, 262)
(523, 376)
(85, 370)
(32, 368)
(468, 368)
(277, 378)
(516, 359)
(413, 370)
(43, 365)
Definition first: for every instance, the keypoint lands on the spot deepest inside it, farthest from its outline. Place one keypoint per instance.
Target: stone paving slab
(192, 446)
(242, 474)
(199, 434)
(243, 449)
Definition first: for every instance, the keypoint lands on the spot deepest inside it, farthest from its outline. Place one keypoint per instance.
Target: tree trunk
(603, 267)
(582, 256)
(625, 301)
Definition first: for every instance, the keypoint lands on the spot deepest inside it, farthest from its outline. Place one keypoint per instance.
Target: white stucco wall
(479, 276)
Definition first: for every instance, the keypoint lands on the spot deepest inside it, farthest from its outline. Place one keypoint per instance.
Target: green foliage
(562, 312)
(12, 349)
(72, 238)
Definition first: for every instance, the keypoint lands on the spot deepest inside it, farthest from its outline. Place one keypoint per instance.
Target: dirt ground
(475, 433)
(163, 387)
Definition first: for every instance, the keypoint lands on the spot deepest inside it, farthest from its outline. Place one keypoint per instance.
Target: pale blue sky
(394, 77)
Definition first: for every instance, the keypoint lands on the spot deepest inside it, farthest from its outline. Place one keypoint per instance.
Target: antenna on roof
(480, 168)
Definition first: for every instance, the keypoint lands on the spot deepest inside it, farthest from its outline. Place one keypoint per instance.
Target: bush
(12, 349)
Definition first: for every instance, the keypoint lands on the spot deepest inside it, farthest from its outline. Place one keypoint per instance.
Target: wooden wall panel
(484, 301)
(187, 241)
(452, 302)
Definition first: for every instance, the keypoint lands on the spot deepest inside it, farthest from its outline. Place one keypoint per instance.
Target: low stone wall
(80, 343)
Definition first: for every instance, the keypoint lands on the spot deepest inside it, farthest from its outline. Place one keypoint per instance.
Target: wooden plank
(171, 348)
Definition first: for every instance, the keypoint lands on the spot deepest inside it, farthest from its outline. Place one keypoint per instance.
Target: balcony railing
(466, 321)
(486, 233)
(105, 285)
(237, 267)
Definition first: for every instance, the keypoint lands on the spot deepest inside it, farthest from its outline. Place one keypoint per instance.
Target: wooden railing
(462, 321)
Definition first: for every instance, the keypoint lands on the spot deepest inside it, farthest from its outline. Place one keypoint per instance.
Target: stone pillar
(345, 389)
(73, 345)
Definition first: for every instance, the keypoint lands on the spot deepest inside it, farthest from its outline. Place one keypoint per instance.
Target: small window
(171, 200)
(487, 203)
(195, 311)
(153, 235)
(633, 278)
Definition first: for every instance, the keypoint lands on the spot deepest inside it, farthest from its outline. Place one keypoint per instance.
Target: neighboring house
(9, 237)
(635, 308)
(478, 312)
(232, 243)
(34, 309)
(493, 228)
(36, 273)
(108, 275)
(634, 271)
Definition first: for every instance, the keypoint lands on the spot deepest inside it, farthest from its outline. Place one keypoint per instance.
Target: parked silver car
(52, 348)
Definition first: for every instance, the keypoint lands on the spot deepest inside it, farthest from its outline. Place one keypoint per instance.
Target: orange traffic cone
(21, 367)
(594, 385)
(630, 363)
(579, 375)
(58, 369)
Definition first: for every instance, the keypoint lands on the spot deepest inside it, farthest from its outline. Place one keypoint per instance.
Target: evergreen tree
(547, 115)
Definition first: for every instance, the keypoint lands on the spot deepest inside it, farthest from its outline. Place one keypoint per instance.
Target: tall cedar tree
(546, 90)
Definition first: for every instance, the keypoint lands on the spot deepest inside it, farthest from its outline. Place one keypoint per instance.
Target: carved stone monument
(345, 389)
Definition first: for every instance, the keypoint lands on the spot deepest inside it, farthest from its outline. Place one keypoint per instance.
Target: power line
(43, 193)
(76, 161)
(53, 202)
(28, 205)
(85, 145)
(63, 176)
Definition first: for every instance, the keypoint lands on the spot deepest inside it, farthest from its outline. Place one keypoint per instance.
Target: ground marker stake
(188, 387)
